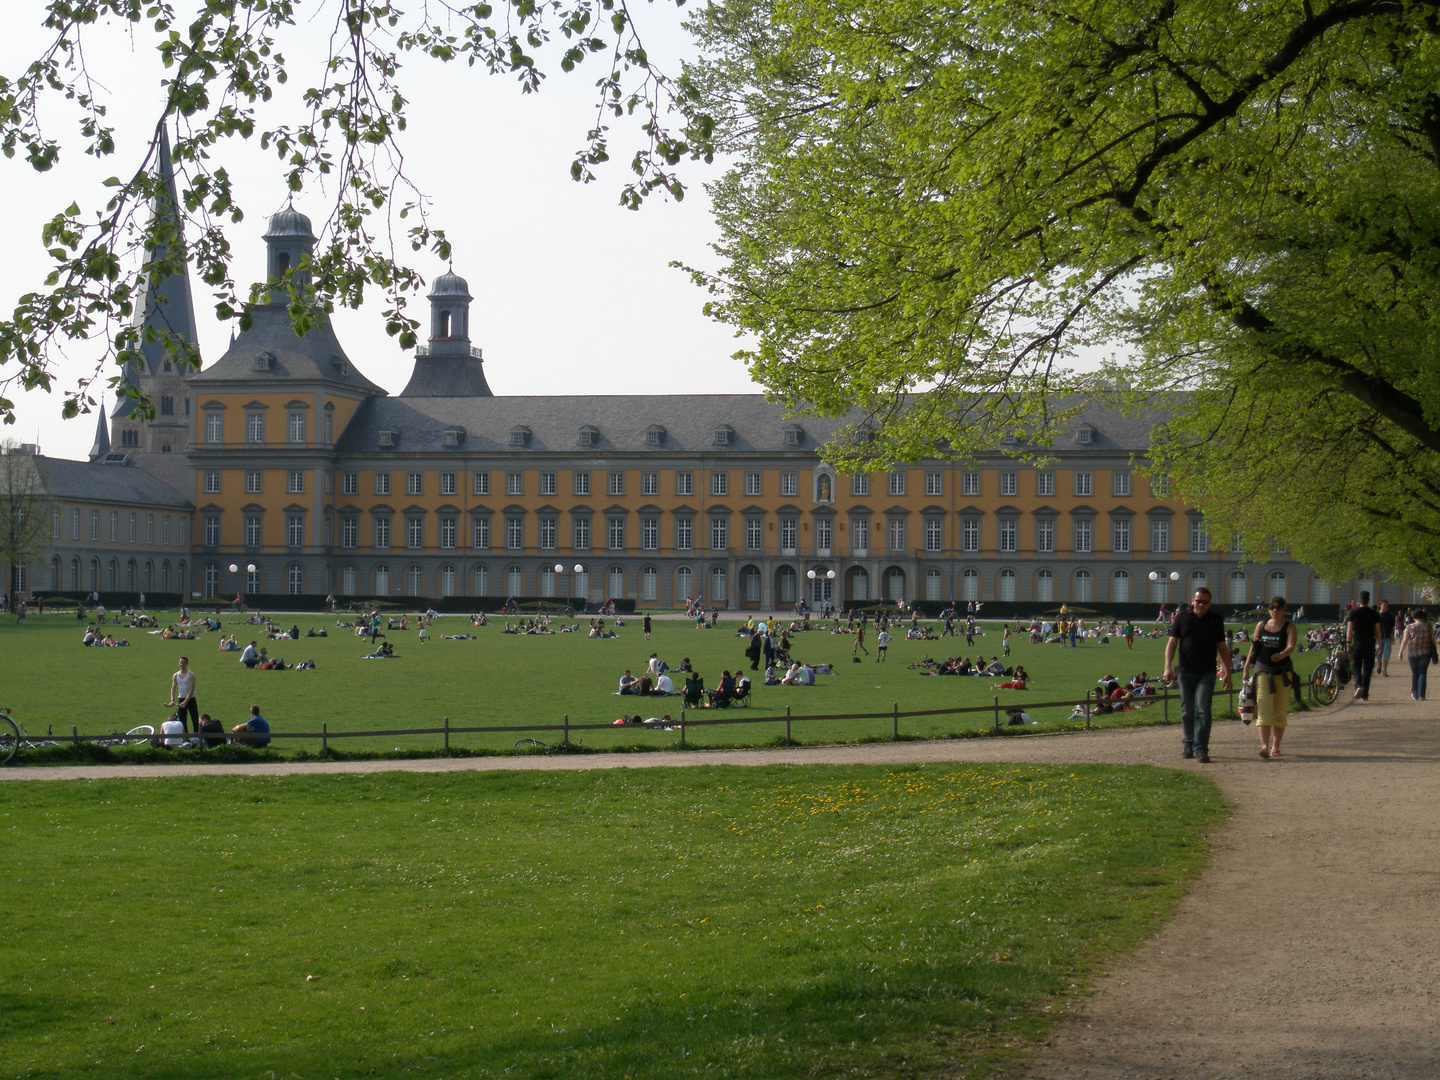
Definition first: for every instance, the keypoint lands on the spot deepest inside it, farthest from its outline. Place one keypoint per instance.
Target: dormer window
(520, 435)
(1009, 439)
(454, 436)
(1085, 435)
(265, 361)
(589, 436)
(388, 437)
(794, 435)
(655, 435)
(341, 368)
(724, 435)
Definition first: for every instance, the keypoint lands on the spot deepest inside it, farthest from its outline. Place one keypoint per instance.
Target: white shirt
(172, 728)
(664, 685)
(184, 685)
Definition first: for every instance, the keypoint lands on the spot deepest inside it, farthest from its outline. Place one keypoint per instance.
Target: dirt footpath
(1309, 948)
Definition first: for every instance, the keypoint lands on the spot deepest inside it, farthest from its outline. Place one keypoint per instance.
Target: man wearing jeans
(1197, 634)
(1362, 634)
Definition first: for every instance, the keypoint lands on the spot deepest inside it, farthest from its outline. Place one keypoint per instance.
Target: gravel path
(1308, 949)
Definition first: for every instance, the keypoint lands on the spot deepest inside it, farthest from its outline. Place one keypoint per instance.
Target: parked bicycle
(1330, 677)
(13, 736)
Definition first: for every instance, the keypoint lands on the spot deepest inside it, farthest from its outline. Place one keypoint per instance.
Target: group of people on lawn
(209, 732)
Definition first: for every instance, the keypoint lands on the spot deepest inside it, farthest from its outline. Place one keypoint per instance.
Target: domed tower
(290, 241)
(448, 365)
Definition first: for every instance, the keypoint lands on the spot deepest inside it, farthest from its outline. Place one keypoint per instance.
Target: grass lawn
(496, 679)
(749, 922)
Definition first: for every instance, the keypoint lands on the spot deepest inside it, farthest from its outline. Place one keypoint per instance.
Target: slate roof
(94, 481)
(317, 357)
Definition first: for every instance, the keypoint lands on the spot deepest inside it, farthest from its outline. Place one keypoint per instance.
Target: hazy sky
(573, 294)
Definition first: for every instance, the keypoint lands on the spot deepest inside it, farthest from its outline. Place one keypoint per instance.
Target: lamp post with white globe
(1160, 575)
(579, 569)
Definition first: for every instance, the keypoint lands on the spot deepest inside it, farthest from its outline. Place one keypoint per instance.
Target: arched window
(751, 584)
(348, 580)
(414, 581)
(95, 575)
(1237, 588)
(859, 584)
(1007, 585)
(684, 584)
(970, 584)
(1198, 580)
(934, 584)
(785, 585)
(113, 579)
(514, 581)
(294, 579)
(148, 582)
(1083, 589)
(382, 580)
(1319, 591)
(55, 574)
(1120, 586)
(895, 583)
(181, 579)
(443, 330)
(480, 581)
(548, 585)
(615, 582)
(650, 584)
(718, 582)
(252, 581)
(580, 583)
(1045, 586)
(75, 575)
(1277, 584)
(130, 575)
(212, 580)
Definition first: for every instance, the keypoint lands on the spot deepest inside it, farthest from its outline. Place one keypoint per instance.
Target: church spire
(102, 435)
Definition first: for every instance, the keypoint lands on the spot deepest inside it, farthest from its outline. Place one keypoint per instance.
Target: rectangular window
(252, 481)
(514, 483)
(615, 483)
(349, 532)
(649, 483)
(896, 483)
(1045, 483)
(684, 483)
(295, 531)
(719, 483)
(297, 427)
(789, 483)
(214, 426)
(480, 533)
(754, 534)
(165, 530)
(1009, 483)
(1120, 482)
(329, 425)
(448, 530)
(480, 484)
(860, 484)
(897, 534)
(131, 531)
(415, 532)
(650, 533)
(212, 481)
(615, 533)
(824, 536)
(255, 427)
(296, 482)
(382, 483)
(382, 532)
(349, 483)
(549, 533)
(752, 483)
(969, 483)
(1084, 483)
(212, 532)
(149, 528)
(1084, 536)
(1009, 534)
(934, 534)
(1045, 535)
(1160, 486)
(75, 524)
(447, 483)
(414, 483)
(719, 533)
(95, 525)
(581, 529)
(582, 483)
(1159, 536)
(789, 534)
(859, 535)
(1120, 536)
(684, 534)
(252, 531)
(1199, 536)
(970, 534)
(114, 526)
(515, 533)
(548, 483)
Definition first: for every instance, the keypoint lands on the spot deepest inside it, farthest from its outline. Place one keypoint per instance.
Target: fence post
(565, 738)
(447, 734)
(324, 736)
(1087, 714)
(787, 725)
(1166, 699)
(682, 727)
(997, 716)
(75, 734)
(894, 720)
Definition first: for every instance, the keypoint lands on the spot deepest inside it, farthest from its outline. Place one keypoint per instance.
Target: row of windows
(296, 425)
(106, 527)
(131, 576)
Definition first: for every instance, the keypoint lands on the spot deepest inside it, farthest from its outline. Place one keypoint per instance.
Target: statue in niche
(823, 494)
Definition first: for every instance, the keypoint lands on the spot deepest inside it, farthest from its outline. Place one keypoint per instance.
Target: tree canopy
(223, 60)
(939, 214)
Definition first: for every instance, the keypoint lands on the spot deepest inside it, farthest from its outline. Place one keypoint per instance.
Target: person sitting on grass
(254, 732)
(210, 731)
(385, 652)
(1019, 716)
(663, 685)
(628, 683)
(772, 677)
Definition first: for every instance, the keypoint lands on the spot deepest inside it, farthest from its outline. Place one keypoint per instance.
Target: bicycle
(13, 736)
(1330, 677)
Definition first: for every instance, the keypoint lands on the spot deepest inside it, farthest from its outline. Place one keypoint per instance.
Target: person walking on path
(1362, 634)
(1197, 634)
(182, 694)
(1418, 646)
(1387, 636)
(1271, 645)
(645, 626)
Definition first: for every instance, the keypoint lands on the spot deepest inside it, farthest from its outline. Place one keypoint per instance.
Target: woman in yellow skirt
(1271, 646)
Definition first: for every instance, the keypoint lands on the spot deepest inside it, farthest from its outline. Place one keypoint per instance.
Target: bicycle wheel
(1323, 685)
(9, 738)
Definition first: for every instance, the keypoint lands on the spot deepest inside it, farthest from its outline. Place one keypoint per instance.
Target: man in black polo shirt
(1362, 633)
(1197, 634)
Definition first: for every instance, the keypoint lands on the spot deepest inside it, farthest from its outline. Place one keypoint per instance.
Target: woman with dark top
(1418, 646)
(1271, 646)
